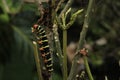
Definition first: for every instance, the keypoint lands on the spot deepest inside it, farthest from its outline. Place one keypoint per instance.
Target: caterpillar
(42, 42)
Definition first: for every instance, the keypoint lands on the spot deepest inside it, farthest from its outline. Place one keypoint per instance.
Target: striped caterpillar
(42, 42)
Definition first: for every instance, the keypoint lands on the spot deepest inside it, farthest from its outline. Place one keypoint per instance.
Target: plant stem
(59, 5)
(65, 54)
(106, 78)
(75, 65)
(87, 68)
(56, 36)
(37, 60)
(53, 11)
(69, 3)
(6, 7)
(57, 44)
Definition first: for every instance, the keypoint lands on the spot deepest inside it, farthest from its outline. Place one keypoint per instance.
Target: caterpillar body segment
(42, 41)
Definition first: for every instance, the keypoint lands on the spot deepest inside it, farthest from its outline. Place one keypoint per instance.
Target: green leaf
(18, 48)
(11, 6)
(4, 18)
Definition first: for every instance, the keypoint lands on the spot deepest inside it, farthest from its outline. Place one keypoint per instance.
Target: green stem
(65, 54)
(75, 65)
(87, 68)
(37, 60)
(59, 5)
(69, 3)
(6, 7)
(53, 11)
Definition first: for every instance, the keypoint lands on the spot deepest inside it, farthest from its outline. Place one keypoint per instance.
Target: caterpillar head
(34, 28)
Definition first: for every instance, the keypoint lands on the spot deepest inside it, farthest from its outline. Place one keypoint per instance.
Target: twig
(85, 25)
(6, 7)
(75, 65)
(59, 4)
(64, 27)
(57, 44)
(37, 60)
(69, 3)
(106, 78)
(73, 18)
(56, 36)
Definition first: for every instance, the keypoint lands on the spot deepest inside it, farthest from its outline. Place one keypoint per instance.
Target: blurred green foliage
(16, 50)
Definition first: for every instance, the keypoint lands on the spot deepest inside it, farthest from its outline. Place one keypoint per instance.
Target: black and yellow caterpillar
(42, 42)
